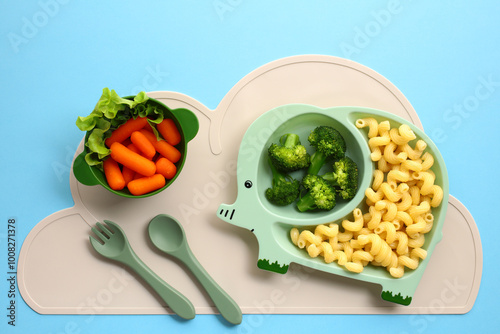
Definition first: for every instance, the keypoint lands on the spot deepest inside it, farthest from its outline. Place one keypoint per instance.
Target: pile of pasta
(400, 201)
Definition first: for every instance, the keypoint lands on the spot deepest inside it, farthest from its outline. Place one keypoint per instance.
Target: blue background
(56, 56)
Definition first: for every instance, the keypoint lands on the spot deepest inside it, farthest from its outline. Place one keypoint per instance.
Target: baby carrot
(113, 174)
(169, 131)
(125, 130)
(143, 144)
(133, 148)
(126, 142)
(132, 160)
(128, 174)
(162, 147)
(145, 185)
(166, 168)
(138, 176)
(148, 127)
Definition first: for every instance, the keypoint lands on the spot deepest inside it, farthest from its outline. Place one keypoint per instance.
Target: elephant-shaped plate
(271, 224)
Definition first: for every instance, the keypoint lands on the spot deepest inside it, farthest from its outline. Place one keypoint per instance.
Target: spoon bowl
(167, 234)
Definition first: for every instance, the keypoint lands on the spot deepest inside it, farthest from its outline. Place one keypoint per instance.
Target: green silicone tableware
(167, 234)
(187, 123)
(114, 245)
(272, 224)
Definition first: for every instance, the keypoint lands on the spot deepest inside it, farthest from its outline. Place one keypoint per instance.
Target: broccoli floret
(328, 143)
(344, 177)
(321, 194)
(289, 155)
(285, 189)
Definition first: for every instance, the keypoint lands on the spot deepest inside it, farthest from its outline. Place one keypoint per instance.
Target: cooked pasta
(428, 181)
(387, 231)
(416, 228)
(437, 196)
(402, 243)
(380, 249)
(392, 232)
(405, 202)
(396, 137)
(388, 208)
(404, 217)
(414, 153)
(384, 127)
(413, 165)
(406, 132)
(383, 165)
(415, 194)
(376, 218)
(427, 161)
(390, 154)
(393, 195)
(359, 259)
(416, 211)
(396, 175)
(371, 123)
(355, 225)
(378, 178)
(374, 196)
(416, 242)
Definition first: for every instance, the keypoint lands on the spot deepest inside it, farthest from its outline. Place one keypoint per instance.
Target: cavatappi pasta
(400, 201)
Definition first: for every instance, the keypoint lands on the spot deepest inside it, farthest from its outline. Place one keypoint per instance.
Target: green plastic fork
(115, 246)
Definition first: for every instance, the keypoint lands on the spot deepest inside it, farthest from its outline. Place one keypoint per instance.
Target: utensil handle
(224, 303)
(174, 299)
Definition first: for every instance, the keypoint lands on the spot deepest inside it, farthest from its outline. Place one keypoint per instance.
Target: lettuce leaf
(87, 123)
(95, 142)
(140, 98)
(110, 103)
(110, 112)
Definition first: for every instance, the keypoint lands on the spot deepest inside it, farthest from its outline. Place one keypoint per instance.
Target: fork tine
(113, 227)
(96, 244)
(99, 234)
(105, 229)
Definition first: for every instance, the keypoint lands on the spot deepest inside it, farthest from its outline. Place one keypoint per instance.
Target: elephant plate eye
(248, 184)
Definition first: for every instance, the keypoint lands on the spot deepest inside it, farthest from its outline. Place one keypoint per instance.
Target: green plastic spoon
(114, 245)
(168, 235)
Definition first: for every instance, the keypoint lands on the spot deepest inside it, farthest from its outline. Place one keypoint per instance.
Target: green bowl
(271, 224)
(187, 123)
